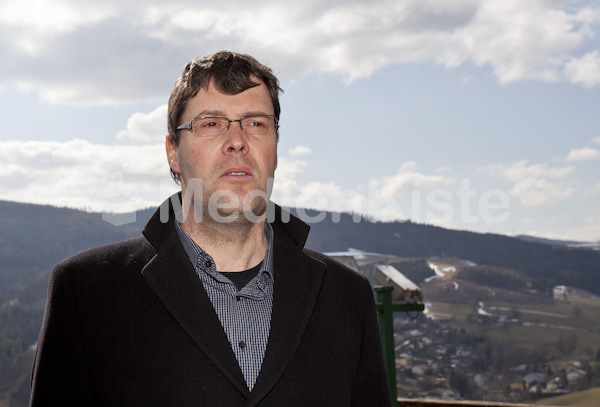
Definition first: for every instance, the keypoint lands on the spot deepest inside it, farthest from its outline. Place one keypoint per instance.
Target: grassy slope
(540, 322)
(587, 398)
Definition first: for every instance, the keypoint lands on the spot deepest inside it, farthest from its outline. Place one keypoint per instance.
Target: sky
(471, 115)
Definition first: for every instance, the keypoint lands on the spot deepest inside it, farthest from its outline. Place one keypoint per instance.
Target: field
(587, 398)
(535, 324)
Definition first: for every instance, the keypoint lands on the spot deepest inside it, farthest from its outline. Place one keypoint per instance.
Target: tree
(460, 381)
(566, 345)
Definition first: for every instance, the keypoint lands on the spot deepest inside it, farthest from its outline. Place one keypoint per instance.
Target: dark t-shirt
(241, 278)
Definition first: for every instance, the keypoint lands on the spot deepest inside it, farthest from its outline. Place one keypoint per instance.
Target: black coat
(130, 324)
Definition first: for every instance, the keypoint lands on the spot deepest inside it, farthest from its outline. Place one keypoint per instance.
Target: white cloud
(290, 191)
(586, 231)
(288, 168)
(596, 140)
(520, 170)
(585, 70)
(540, 192)
(400, 196)
(84, 52)
(51, 17)
(80, 174)
(521, 40)
(408, 179)
(146, 127)
(536, 184)
(583, 154)
(120, 178)
(300, 151)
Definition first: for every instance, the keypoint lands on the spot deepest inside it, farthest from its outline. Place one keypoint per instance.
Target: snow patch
(439, 271)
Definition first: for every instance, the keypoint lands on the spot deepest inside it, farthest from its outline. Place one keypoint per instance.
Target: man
(218, 304)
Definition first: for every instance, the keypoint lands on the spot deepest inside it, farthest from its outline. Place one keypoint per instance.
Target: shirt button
(242, 344)
(208, 263)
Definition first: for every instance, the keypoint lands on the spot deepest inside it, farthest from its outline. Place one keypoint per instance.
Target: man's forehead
(212, 100)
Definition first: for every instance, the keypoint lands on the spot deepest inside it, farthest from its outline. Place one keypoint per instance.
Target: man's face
(232, 165)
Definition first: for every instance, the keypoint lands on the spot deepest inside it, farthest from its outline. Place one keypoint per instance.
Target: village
(440, 356)
(437, 362)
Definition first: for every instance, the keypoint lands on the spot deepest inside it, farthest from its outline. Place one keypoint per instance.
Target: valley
(506, 319)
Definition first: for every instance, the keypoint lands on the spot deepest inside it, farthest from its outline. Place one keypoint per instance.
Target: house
(451, 394)
(533, 378)
(516, 389)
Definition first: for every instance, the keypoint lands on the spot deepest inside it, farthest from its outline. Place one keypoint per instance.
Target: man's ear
(171, 150)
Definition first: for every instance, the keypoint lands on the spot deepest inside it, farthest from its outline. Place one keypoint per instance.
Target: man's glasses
(259, 125)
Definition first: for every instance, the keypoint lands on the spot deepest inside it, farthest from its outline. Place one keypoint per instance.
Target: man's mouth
(237, 172)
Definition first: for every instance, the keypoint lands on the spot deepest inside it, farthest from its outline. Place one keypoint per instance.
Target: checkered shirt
(246, 314)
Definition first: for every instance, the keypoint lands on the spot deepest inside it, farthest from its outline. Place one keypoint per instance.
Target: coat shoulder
(111, 256)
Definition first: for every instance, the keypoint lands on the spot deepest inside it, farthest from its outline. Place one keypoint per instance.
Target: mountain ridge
(35, 237)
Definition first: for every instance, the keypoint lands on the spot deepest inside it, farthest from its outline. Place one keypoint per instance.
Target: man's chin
(237, 215)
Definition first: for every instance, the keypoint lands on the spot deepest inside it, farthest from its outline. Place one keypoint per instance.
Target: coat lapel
(298, 280)
(185, 298)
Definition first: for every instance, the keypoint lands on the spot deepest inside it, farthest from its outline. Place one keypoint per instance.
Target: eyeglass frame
(190, 125)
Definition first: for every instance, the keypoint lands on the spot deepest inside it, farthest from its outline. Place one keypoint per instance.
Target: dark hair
(231, 73)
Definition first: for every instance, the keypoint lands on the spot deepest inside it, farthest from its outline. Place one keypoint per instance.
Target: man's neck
(233, 246)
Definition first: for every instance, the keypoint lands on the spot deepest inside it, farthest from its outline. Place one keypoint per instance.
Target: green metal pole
(386, 331)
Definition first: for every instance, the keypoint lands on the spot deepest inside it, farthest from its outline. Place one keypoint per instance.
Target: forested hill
(547, 264)
(39, 235)
(34, 237)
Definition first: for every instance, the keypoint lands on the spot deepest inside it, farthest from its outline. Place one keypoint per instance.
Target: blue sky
(476, 115)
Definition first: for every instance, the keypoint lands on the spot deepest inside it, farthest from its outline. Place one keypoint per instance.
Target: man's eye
(256, 122)
(209, 123)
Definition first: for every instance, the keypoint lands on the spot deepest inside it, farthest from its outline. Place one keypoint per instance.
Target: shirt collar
(198, 256)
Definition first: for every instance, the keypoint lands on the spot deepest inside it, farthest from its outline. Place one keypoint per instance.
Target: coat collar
(297, 283)
(292, 231)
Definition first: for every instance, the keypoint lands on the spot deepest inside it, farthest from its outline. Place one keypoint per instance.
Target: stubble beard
(226, 206)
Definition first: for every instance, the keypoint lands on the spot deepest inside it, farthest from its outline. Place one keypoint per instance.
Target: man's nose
(236, 139)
